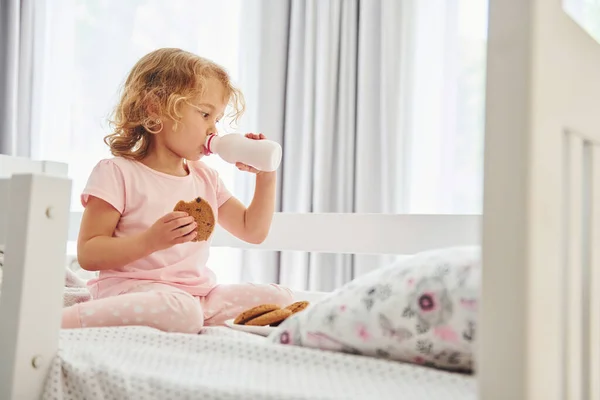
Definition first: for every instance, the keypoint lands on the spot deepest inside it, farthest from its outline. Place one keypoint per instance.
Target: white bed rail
(363, 233)
(353, 233)
(37, 213)
(22, 165)
(10, 165)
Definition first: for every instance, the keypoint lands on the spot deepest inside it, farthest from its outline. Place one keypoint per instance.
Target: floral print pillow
(420, 310)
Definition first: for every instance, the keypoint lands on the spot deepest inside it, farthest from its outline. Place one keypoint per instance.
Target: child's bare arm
(98, 249)
(251, 224)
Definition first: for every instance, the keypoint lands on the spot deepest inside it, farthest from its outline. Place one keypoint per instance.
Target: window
(446, 127)
(586, 13)
(89, 49)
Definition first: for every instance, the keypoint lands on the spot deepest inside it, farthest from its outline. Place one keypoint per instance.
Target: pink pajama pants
(173, 310)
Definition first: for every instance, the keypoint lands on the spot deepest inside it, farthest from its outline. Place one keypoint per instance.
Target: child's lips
(205, 151)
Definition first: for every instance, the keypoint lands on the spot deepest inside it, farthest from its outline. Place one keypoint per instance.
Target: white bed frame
(539, 325)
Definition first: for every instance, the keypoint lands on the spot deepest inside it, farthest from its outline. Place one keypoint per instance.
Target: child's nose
(212, 130)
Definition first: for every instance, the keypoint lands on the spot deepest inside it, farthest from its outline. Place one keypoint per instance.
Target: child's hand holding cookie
(171, 229)
(201, 211)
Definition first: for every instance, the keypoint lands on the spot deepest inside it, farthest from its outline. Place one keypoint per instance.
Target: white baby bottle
(264, 155)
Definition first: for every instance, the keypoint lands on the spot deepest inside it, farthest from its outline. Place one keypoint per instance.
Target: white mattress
(143, 363)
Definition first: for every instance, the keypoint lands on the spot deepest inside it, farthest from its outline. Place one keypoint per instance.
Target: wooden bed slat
(574, 239)
(594, 308)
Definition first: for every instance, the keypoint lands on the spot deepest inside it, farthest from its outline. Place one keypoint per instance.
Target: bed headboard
(363, 233)
(10, 165)
(353, 233)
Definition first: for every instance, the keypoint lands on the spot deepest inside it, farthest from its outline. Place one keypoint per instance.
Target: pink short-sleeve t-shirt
(143, 195)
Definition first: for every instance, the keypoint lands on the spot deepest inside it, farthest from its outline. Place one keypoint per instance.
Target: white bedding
(143, 363)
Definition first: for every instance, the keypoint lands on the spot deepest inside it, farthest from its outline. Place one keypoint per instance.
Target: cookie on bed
(270, 318)
(203, 215)
(254, 312)
(297, 306)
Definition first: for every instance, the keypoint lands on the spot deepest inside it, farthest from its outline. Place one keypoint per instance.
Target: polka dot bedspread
(143, 363)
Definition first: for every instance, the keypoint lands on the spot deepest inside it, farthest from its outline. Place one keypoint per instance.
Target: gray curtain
(19, 51)
(326, 82)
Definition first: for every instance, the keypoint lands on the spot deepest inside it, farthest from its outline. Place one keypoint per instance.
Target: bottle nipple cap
(208, 140)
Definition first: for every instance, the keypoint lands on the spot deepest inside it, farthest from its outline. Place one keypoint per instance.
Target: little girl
(150, 271)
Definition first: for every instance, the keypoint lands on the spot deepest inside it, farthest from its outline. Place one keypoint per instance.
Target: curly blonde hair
(162, 81)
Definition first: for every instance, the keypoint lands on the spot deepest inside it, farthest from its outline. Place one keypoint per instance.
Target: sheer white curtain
(383, 112)
(19, 53)
(445, 107)
(90, 47)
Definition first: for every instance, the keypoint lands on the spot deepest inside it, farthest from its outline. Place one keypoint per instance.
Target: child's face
(198, 121)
